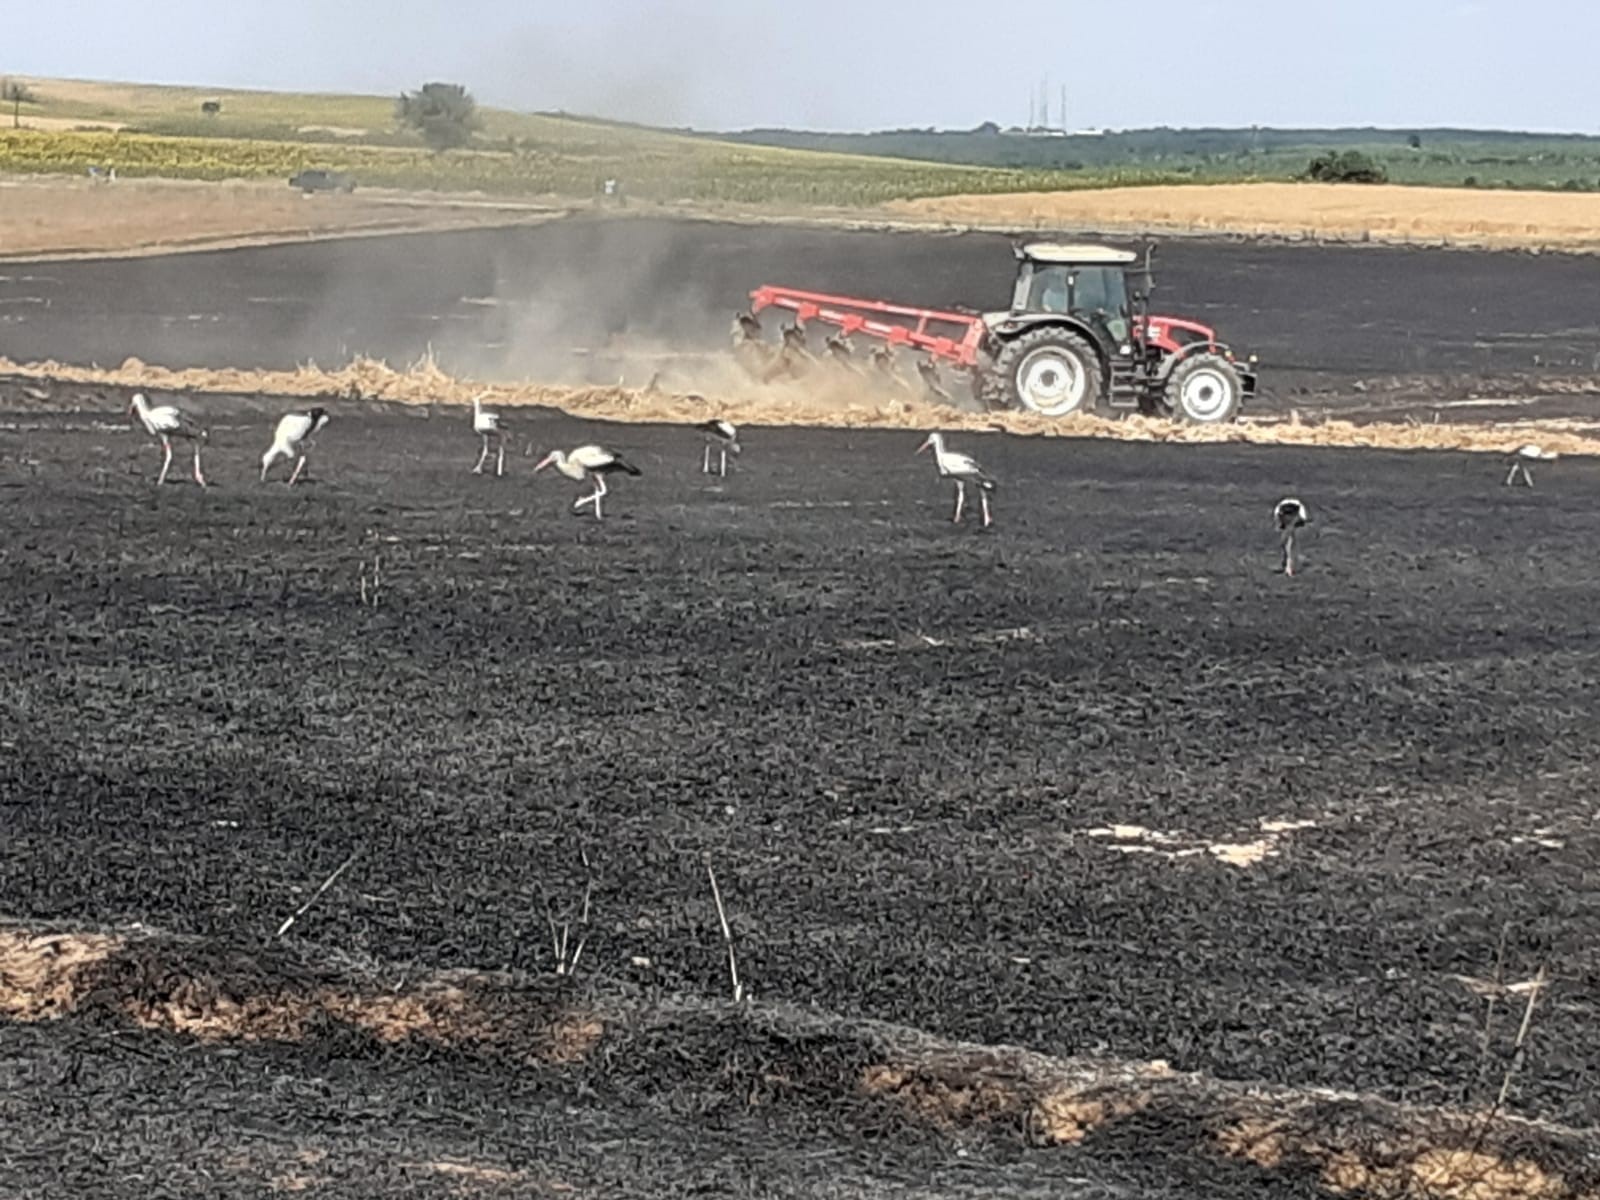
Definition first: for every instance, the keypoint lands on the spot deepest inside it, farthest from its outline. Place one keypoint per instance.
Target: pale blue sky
(1524, 64)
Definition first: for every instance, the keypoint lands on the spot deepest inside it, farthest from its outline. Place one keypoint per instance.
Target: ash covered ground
(992, 785)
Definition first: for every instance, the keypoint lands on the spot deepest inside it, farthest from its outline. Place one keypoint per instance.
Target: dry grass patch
(42, 976)
(1407, 1166)
(1066, 1118)
(953, 1100)
(438, 1014)
(1500, 219)
(48, 976)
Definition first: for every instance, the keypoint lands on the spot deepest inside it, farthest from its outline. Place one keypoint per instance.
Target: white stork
(964, 470)
(1521, 457)
(1289, 515)
(584, 462)
(487, 425)
(164, 421)
(725, 437)
(294, 437)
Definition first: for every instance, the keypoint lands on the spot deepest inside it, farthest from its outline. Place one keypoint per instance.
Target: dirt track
(520, 302)
(993, 786)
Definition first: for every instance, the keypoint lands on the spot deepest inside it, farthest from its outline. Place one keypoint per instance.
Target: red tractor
(1076, 339)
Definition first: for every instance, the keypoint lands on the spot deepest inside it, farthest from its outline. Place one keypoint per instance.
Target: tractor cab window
(1083, 290)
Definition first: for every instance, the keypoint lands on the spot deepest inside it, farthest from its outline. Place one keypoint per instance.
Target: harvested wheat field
(85, 218)
(1456, 216)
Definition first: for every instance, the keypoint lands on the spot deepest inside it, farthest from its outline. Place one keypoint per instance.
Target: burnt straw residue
(729, 1063)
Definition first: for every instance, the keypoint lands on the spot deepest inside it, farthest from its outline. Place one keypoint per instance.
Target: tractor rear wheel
(1205, 390)
(1053, 372)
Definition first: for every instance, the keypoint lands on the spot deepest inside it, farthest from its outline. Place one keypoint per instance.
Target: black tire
(1050, 371)
(1205, 389)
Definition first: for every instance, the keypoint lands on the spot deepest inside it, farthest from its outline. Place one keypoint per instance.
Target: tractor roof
(1057, 252)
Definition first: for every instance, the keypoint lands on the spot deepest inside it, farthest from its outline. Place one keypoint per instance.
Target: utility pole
(1063, 115)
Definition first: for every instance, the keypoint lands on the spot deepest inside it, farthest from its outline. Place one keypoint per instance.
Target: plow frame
(915, 327)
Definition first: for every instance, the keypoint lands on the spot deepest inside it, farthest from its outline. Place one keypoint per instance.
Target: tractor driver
(1056, 295)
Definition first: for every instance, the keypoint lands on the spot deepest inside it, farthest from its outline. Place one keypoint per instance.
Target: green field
(1439, 157)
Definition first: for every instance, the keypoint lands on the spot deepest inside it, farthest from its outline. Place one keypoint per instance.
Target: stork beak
(922, 447)
(545, 462)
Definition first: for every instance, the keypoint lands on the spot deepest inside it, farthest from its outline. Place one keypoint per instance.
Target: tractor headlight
(1254, 359)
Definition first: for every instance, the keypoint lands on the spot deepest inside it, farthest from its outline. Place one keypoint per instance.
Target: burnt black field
(894, 738)
(521, 301)
(981, 784)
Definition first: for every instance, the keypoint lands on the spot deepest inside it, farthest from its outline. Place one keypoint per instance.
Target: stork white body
(294, 437)
(724, 437)
(964, 470)
(1521, 457)
(486, 425)
(1290, 514)
(588, 462)
(166, 422)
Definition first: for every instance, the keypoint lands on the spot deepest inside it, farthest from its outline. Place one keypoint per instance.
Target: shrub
(1351, 166)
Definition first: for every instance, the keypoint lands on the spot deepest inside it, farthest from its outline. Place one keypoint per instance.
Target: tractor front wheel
(1052, 372)
(1205, 390)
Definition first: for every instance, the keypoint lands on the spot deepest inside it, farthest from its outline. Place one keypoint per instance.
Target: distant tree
(1415, 141)
(445, 114)
(16, 93)
(211, 107)
(987, 127)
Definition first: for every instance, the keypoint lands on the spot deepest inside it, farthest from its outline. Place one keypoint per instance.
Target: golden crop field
(1389, 213)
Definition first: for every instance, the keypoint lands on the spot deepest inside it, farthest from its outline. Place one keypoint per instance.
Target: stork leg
(961, 500)
(1288, 553)
(298, 467)
(482, 458)
(983, 502)
(1511, 474)
(500, 457)
(723, 470)
(705, 461)
(166, 445)
(599, 491)
(1527, 475)
(198, 478)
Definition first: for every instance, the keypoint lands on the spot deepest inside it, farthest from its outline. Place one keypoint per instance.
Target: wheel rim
(1206, 395)
(1052, 382)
